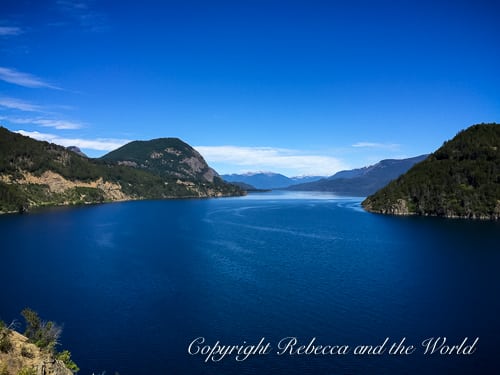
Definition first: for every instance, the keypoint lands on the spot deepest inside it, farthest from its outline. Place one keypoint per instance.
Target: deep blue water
(134, 283)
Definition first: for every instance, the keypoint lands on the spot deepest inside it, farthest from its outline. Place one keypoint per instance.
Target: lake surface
(135, 283)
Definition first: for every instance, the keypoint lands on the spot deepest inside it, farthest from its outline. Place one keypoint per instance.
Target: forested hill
(35, 173)
(167, 157)
(460, 179)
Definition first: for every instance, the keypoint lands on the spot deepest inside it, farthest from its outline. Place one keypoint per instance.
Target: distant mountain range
(362, 181)
(460, 179)
(355, 182)
(35, 173)
(268, 180)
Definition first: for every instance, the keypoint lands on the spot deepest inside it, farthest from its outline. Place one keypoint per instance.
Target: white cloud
(83, 14)
(24, 79)
(387, 146)
(99, 144)
(274, 159)
(49, 123)
(19, 104)
(58, 124)
(10, 30)
(23, 106)
(72, 4)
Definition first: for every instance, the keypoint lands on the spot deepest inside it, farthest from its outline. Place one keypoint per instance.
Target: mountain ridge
(267, 180)
(361, 181)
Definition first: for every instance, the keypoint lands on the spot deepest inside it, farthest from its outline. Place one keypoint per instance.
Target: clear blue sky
(298, 87)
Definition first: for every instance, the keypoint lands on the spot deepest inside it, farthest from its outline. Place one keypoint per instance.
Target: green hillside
(35, 173)
(167, 157)
(460, 179)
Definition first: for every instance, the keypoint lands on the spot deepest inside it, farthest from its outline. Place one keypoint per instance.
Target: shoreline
(43, 207)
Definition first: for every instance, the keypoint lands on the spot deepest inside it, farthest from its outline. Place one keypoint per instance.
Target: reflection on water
(294, 195)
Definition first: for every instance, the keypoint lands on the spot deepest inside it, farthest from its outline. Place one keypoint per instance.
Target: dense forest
(460, 179)
(20, 155)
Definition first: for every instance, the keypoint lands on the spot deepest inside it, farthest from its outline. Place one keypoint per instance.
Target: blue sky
(297, 87)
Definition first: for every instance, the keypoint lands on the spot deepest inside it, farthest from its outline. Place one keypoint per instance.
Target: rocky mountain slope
(166, 157)
(76, 150)
(34, 173)
(460, 179)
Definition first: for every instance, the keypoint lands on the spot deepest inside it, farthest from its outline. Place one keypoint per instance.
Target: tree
(65, 357)
(43, 334)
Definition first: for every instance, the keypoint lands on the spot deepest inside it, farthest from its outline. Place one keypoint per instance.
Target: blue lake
(135, 283)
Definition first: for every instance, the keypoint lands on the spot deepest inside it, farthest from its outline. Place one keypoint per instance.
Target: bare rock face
(497, 210)
(76, 150)
(52, 367)
(399, 208)
(25, 355)
(58, 184)
(156, 155)
(128, 163)
(210, 175)
(194, 163)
